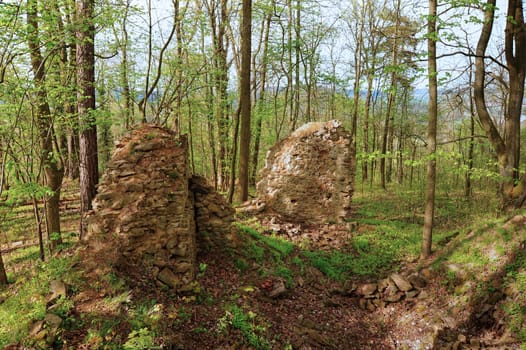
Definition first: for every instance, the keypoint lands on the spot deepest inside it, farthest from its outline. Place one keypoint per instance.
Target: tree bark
(218, 25)
(432, 33)
(390, 101)
(88, 149)
(515, 52)
(260, 99)
(3, 275)
(507, 146)
(357, 78)
(53, 173)
(245, 100)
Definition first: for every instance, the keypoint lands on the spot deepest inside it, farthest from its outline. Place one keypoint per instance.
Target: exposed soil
(311, 315)
(315, 313)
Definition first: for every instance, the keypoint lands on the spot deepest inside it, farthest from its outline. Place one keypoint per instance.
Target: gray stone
(362, 303)
(394, 297)
(36, 327)
(367, 289)
(278, 289)
(383, 284)
(169, 278)
(417, 280)
(58, 289)
(412, 293)
(52, 321)
(147, 146)
(401, 282)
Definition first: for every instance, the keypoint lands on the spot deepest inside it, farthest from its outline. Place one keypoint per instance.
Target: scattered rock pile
(308, 176)
(390, 290)
(44, 333)
(147, 206)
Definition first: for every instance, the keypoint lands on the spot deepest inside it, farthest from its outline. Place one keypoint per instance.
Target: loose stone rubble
(308, 176)
(151, 209)
(392, 289)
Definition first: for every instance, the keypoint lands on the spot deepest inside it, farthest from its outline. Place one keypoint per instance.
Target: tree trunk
(53, 173)
(507, 147)
(88, 149)
(123, 70)
(367, 109)
(244, 100)
(390, 102)
(218, 24)
(38, 223)
(427, 233)
(3, 275)
(515, 50)
(297, 52)
(357, 78)
(468, 190)
(261, 98)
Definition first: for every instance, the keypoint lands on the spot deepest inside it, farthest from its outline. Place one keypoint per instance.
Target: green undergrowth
(271, 255)
(24, 300)
(250, 325)
(487, 263)
(515, 308)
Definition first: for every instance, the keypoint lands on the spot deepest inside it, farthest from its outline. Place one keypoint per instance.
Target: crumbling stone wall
(308, 176)
(146, 209)
(214, 215)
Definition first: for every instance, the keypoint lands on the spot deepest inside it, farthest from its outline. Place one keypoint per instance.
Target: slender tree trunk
(297, 53)
(179, 67)
(367, 109)
(52, 172)
(261, 100)
(69, 146)
(125, 83)
(218, 23)
(390, 101)
(245, 103)
(412, 169)
(38, 223)
(357, 78)
(468, 190)
(429, 213)
(88, 149)
(3, 274)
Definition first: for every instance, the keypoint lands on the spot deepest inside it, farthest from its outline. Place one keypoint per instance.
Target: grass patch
(515, 307)
(25, 299)
(335, 265)
(284, 247)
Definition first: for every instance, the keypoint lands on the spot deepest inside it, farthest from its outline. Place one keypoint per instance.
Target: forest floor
(288, 286)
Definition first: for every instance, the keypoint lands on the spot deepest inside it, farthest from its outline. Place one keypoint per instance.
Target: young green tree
(53, 172)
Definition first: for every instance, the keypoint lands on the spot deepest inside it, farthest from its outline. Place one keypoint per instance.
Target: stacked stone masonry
(146, 206)
(308, 177)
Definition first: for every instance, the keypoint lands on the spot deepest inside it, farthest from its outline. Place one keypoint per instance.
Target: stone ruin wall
(148, 204)
(309, 176)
